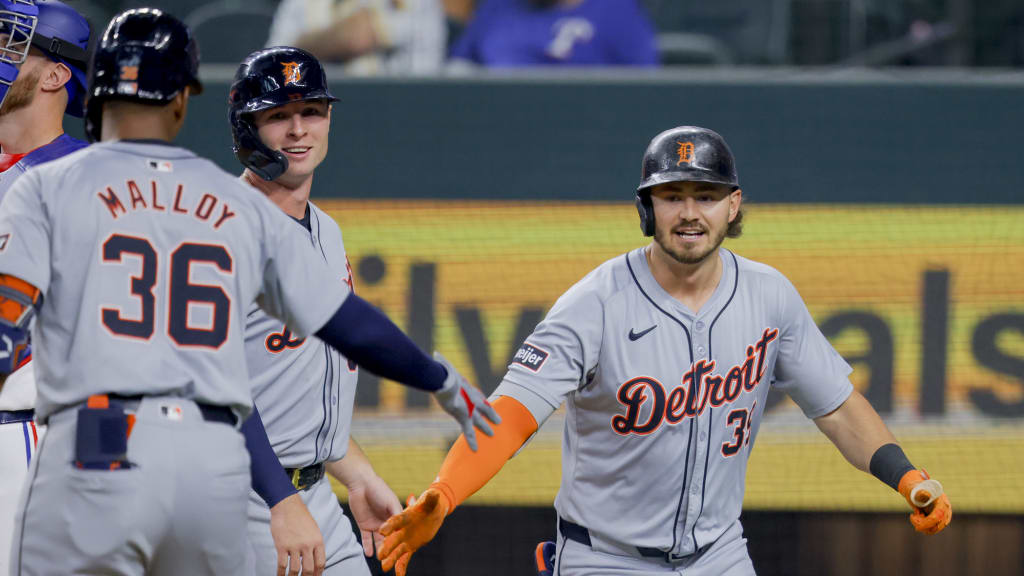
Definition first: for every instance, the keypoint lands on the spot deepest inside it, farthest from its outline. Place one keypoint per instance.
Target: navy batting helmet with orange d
(266, 79)
(683, 154)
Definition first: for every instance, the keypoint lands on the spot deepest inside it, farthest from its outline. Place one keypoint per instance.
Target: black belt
(15, 416)
(210, 412)
(213, 413)
(305, 478)
(580, 534)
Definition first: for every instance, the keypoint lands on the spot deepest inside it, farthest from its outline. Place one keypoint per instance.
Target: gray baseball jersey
(148, 258)
(663, 404)
(304, 389)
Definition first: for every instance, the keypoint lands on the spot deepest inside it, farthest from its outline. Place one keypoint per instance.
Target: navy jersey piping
(328, 372)
(558, 559)
(704, 482)
(323, 404)
(689, 440)
(334, 404)
(318, 241)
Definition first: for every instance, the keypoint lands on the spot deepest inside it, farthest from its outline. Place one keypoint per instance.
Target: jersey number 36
(181, 292)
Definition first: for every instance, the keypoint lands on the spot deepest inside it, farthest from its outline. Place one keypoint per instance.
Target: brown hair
(735, 229)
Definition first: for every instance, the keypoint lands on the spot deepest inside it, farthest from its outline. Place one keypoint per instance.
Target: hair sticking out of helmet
(266, 79)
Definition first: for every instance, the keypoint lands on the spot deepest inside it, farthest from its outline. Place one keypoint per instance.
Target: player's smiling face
(299, 130)
(692, 218)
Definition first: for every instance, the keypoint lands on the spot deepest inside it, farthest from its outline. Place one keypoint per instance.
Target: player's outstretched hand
(409, 531)
(932, 509)
(465, 403)
(300, 547)
(372, 503)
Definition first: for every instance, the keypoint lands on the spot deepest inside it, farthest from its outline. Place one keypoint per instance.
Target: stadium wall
(900, 136)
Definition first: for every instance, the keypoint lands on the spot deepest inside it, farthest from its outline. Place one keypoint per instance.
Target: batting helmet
(53, 27)
(266, 79)
(144, 55)
(683, 154)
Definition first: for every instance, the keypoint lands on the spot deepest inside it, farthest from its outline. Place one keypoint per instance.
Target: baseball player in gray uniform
(664, 357)
(305, 391)
(43, 56)
(136, 263)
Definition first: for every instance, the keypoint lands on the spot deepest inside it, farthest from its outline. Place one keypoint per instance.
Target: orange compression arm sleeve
(16, 299)
(464, 471)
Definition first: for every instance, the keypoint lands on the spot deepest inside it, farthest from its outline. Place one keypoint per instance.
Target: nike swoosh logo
(634, 336)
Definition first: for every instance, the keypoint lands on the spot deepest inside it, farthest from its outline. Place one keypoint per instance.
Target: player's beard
(21, 92)
(690, 256)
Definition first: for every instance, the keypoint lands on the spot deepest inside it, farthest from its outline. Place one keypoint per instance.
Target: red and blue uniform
(14, 165)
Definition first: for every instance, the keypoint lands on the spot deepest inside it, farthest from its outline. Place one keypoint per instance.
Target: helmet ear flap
(645, 208)
(253, 153)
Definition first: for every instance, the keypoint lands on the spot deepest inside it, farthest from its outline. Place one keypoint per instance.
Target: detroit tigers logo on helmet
(685, 152)
(292, 72)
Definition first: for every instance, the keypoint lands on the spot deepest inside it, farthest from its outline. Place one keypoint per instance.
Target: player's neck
(290, 199)
(691, 284)
(24, 130)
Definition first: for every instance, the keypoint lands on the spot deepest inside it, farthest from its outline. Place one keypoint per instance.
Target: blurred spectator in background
(508, 33)
(368, 36)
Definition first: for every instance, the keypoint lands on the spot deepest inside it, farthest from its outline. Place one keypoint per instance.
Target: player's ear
(180, 104)
(735, 201)
(176, 110)
(56, 75)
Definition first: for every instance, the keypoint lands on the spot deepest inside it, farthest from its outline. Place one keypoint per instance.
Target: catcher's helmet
(683, 154)
(53, 27)
(266, 79)
(145, 55)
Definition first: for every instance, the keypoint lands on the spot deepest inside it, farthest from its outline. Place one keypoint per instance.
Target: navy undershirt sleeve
(269, 479)
(367, 337)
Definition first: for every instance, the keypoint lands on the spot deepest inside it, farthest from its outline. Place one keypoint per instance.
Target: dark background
(900, 137)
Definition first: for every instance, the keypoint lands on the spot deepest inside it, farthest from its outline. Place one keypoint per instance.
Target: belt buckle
(672, 557)
(297, 480)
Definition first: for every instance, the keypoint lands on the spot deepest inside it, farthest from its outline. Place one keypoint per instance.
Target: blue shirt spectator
(509, 33)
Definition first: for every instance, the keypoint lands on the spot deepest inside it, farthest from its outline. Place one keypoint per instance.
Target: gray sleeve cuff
(540, 407)
(830, 407)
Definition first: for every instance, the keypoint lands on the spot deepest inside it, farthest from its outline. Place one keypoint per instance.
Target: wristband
(889, 464)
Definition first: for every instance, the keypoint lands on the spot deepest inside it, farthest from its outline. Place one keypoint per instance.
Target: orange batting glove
(930, 519)
(411, 529)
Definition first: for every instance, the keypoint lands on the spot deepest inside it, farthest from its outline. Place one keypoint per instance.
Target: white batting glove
(465, 403)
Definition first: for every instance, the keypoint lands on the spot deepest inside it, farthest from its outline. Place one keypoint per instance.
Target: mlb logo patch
(172, 412)
(530, 356)
(160, 165)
